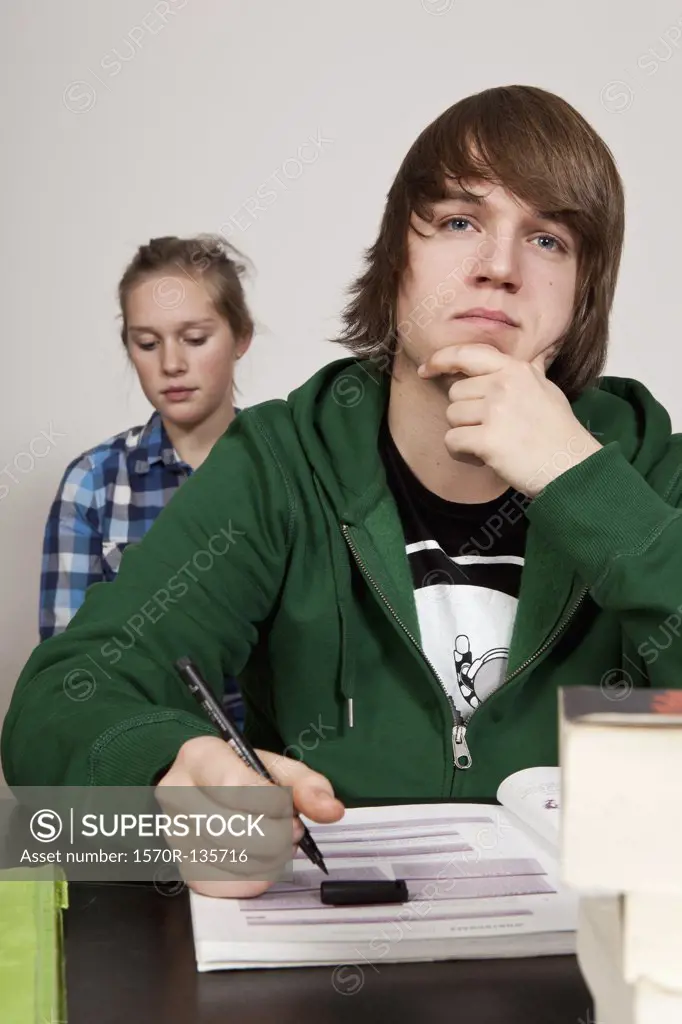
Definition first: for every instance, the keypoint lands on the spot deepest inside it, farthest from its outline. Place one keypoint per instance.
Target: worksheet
(480, 883)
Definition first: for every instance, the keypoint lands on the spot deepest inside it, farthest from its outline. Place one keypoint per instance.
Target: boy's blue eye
(555, 245)
(197, 341)
(453, 220)
(549, 238)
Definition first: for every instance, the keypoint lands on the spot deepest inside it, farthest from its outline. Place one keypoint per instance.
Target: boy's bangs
(539, 170)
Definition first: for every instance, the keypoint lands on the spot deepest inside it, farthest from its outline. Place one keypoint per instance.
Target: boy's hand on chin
(505, 413)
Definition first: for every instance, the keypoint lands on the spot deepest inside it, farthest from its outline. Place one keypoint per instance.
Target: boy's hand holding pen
(209, 761)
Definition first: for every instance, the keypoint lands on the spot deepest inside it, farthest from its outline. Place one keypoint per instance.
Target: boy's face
(494, 254)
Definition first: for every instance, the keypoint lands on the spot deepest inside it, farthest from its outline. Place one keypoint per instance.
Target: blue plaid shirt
(108, 498)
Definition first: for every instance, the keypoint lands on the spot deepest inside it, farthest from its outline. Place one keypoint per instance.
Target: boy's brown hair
(542, 150)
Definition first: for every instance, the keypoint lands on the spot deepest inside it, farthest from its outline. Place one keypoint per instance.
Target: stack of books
(621, 847)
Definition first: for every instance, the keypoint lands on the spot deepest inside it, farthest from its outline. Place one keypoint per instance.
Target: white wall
(102, 153)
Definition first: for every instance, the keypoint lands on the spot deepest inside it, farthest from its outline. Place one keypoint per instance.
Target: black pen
(201, 691)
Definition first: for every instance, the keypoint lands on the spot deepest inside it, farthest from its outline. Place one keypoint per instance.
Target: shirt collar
(152, 446)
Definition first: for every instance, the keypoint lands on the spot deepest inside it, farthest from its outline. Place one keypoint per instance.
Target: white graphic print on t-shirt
(466, 617)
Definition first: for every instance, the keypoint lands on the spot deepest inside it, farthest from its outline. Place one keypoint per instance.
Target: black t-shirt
(466, 562)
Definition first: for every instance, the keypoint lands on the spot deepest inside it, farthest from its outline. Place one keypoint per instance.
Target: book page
(470, 873)
(534, 796)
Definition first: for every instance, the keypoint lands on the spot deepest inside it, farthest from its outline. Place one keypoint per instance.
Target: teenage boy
(404, 560)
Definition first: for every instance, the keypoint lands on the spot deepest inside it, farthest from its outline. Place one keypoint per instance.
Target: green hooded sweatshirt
(282, 562)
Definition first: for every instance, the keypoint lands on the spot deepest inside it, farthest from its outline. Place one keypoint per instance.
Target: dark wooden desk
(130, 960)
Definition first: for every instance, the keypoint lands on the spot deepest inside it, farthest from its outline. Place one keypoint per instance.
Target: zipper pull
(460, 748)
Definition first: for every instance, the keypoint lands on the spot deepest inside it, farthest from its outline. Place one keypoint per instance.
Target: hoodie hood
(338, 412)
(624, 410)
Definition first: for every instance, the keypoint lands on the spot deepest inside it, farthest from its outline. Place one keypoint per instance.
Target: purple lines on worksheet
(450, 889)
(415, 828)
(488, 866)
(390, 848)
(480, 888)
(379, 915)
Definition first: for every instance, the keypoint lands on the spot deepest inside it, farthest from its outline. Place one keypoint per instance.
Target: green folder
(32, 986)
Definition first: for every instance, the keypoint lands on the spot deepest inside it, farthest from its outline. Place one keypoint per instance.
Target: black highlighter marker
(200, 690)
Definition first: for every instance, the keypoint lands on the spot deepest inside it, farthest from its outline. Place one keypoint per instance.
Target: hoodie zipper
(550, 639)
(460, 751)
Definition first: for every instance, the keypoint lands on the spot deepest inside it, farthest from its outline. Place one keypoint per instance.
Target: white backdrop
(140, 118)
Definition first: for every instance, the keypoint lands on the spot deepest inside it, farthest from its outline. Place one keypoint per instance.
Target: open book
(482, 882)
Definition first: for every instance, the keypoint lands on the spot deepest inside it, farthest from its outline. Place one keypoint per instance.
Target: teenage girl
(185, 322)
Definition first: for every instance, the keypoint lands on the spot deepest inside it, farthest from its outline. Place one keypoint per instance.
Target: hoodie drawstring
(342, 583)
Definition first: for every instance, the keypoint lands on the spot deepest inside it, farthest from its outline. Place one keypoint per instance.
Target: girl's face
(182, 349)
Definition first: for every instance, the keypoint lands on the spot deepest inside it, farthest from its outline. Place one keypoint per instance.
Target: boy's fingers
(208, 761)
(230, 890)
(317, 802)
(313, 792)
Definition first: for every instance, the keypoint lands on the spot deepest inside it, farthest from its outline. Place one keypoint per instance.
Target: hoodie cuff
(600, 510)
(138, 751)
